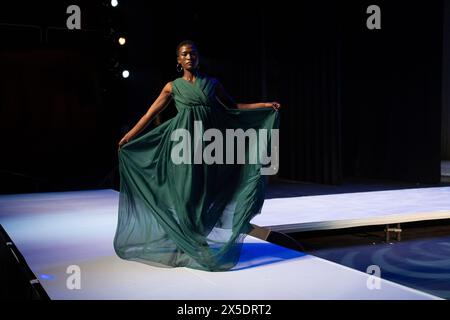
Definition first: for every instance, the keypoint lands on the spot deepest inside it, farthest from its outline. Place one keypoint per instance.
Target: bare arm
(160, 104)
(258, 105)
(225, 99)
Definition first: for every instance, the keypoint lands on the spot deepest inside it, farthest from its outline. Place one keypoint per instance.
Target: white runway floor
(56, 230)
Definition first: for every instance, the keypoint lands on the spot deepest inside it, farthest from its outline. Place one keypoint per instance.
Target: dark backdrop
(356, 102)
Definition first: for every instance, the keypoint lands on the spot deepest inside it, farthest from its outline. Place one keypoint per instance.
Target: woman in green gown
(190, 213)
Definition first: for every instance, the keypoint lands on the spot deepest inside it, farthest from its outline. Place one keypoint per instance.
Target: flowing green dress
(193, 214)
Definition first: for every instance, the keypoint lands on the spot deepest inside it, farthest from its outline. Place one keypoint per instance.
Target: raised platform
(357, 209)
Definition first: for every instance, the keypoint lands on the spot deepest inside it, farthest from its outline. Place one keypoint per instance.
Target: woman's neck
(190, 75)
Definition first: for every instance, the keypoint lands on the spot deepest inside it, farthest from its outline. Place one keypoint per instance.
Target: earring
(179, 67)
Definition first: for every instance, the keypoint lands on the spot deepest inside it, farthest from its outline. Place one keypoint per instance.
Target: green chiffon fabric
(189, 215)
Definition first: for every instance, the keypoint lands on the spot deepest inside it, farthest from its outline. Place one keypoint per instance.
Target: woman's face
(188, 57)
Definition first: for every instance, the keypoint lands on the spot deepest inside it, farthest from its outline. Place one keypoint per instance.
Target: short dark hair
(185, 43)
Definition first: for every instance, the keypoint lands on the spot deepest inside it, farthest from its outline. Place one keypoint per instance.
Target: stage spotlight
(114, 3)
(125, 74)
(122, 41)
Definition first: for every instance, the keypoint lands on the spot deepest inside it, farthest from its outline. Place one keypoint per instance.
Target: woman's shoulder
(168, 87)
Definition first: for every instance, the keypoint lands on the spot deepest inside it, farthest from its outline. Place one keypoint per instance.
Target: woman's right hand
(123, 141)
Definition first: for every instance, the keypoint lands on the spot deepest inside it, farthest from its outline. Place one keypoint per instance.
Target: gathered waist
(191, 107)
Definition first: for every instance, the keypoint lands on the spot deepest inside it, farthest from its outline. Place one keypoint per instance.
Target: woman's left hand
(274, 105)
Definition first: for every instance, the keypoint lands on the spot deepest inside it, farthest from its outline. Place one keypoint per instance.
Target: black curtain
(445, 131)
(359, 102)
(391, 92)
(356, 102)
(303, 46)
